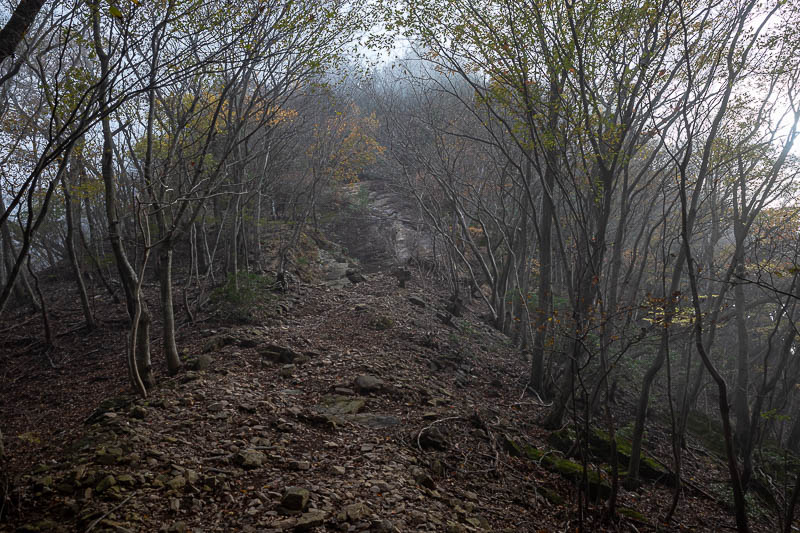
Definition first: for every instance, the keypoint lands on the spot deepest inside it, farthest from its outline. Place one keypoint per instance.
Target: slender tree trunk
(544, 305)
(48, 330)
(73, 258)
(21, 287)
(168, 308)
(136, 305)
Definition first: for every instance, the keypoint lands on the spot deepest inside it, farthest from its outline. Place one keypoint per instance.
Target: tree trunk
(16, 27)
(22, 289)
(73, 258)
(130, 281)
(168, 308)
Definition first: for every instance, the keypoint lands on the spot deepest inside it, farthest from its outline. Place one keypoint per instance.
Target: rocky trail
(359, 405)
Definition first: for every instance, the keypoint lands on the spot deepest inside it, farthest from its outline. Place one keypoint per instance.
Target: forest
(613, 187)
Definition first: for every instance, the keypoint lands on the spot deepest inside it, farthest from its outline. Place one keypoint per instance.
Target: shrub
(243, 296)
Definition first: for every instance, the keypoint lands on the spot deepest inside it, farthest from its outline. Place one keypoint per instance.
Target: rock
(454, 527)
(174, 505)
(375, 421)
(383, 526)
(108, 456)
(355, 276)
(310, 520)
(432, 438)
(192, 476)
(339, 470)
(215, 344)
(278, 354)
(178, 527)
(340, 405)
(422, 478)
(381, 323)
(416, 300)
(43, 484)
(300, 465)
(249, 458)
(353, 512)
(126, 479)
(247, 342)
(366, 383)
(336, 271)
(177, 483)
(201, 363)
(216, 407)
(294, 500)
(479, 522)
(105, 484)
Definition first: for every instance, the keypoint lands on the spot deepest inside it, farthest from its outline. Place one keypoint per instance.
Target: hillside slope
(351, 404)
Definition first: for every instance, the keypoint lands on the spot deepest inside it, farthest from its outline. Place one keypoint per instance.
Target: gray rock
(373, 420)
(300, 465)
(215, 344)
(278, 354)
(340, 405)
(383, 526)
(422, 478)
(249, 458)
(416, 300)
(367, 383)
(216, 407)
(295, 500)
(178, 527)
(202, 362)
(432, 438)
(336, 271)
(177, 483)
(353, 512)
(355, 276)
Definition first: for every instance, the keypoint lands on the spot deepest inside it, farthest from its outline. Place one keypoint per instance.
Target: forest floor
(346, 407)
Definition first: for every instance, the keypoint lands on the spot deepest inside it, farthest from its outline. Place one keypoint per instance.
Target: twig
(120, 504)
(15, 326)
